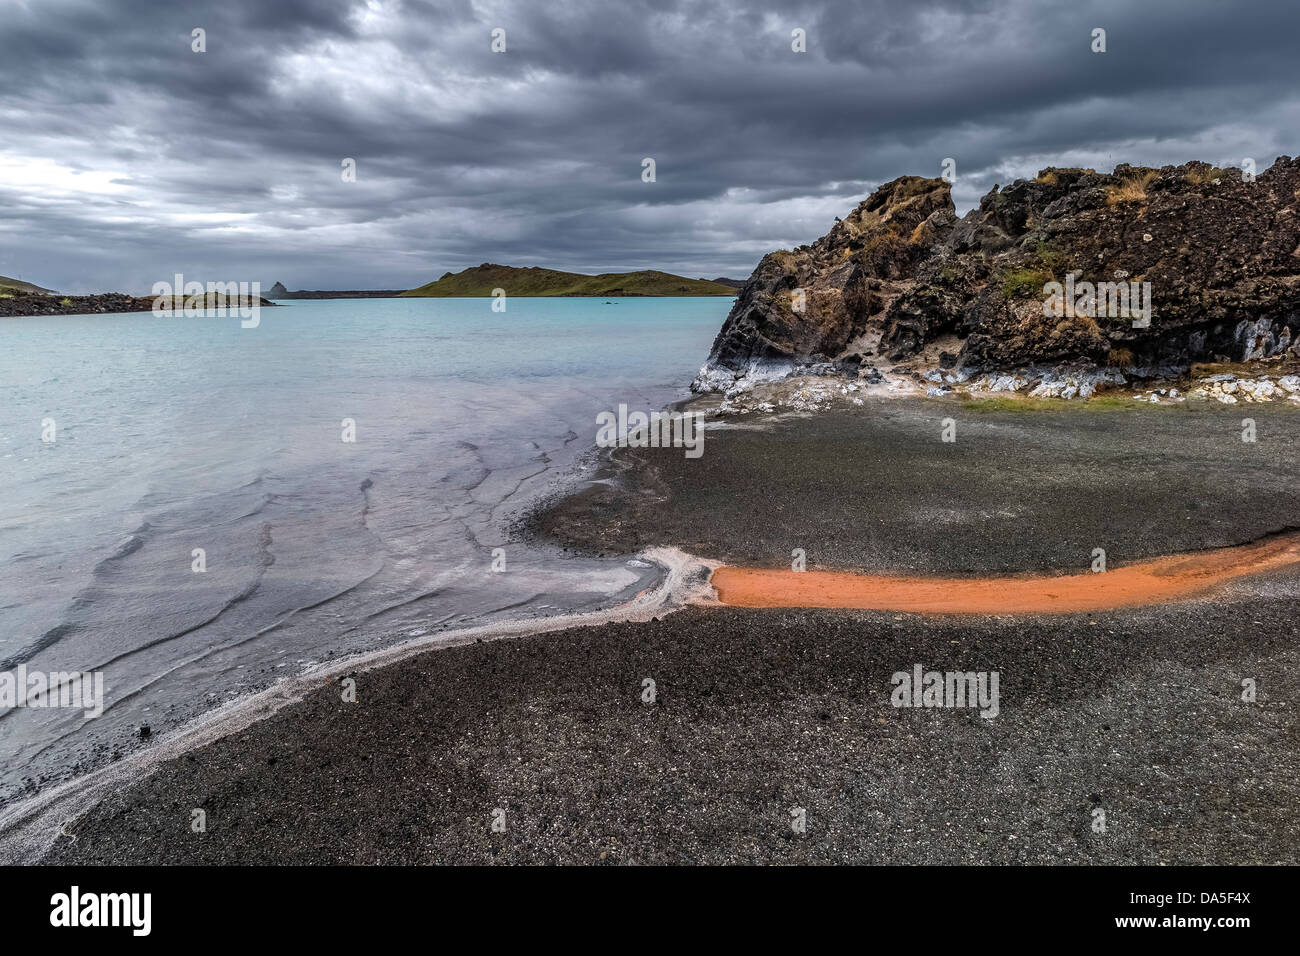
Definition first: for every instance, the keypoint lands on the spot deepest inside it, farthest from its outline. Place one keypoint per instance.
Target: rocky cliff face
(902, 280)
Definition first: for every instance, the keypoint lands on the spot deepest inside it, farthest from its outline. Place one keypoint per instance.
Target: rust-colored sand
(1171, 578)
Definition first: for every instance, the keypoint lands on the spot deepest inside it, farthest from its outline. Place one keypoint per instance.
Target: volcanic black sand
(1137, 714)
(1034, 488)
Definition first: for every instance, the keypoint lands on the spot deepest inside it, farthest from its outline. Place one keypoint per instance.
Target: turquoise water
(178, 434)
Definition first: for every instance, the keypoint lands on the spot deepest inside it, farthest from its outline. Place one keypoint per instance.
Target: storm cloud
(126, 156)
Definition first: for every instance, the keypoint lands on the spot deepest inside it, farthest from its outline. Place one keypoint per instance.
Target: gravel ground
(876, 488)
(1137, 715)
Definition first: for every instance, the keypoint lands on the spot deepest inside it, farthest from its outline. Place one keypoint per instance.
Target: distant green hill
(481, 280)
(8, 283)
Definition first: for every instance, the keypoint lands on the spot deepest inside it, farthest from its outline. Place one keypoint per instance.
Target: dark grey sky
(126, 157)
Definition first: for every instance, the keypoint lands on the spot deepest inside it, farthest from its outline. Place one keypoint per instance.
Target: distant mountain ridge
(278, 291)
(480, 281)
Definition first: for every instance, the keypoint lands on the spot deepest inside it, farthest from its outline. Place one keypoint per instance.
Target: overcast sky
(126, 157)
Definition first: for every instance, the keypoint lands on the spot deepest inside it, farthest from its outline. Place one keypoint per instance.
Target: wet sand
(1136, 712)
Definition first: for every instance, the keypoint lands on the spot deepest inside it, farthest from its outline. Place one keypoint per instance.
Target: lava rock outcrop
(903, 280)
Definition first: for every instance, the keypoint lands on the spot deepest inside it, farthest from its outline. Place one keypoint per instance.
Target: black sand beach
(1138, 713)
(1033, 488)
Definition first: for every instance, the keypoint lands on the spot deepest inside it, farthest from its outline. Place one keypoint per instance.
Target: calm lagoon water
(179, 434)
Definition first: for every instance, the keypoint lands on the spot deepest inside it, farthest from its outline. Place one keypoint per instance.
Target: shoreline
(21, 305)
(556, 726)
(431, 514)
(812, 388)
(29, 827)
